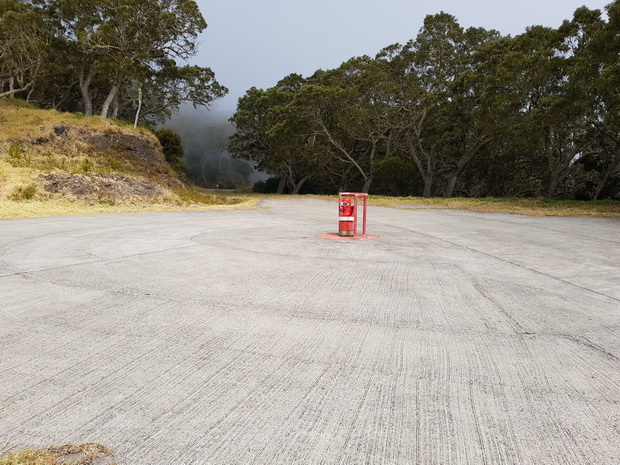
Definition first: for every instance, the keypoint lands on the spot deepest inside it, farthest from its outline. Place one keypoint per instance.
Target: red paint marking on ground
(336, 237)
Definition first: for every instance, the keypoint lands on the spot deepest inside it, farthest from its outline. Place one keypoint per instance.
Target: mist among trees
(453, 112)
(205, 138)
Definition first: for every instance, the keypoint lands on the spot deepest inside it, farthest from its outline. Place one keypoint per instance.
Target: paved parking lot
(238, 337)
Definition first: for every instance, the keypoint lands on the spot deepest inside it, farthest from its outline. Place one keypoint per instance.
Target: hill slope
(51, 157)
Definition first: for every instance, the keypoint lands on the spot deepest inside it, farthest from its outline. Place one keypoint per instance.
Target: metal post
(365, 208)
(355, 216)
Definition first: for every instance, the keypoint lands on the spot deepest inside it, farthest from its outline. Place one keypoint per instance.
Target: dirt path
(237, 337)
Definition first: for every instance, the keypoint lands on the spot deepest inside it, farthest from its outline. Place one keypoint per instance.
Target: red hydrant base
(337, 237)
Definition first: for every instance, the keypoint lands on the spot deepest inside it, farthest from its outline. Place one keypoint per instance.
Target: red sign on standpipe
(348, 213)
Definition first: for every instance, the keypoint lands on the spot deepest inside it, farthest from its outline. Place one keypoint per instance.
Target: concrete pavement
(239, 337)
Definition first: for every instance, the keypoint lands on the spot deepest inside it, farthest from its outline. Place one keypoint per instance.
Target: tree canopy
(94, 56)
(453, 111)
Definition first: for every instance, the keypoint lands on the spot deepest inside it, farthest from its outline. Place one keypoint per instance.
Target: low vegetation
(55, 163)
(531, 206)
(77, 454)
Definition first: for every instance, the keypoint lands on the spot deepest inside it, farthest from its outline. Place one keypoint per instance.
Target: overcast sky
(256, 43)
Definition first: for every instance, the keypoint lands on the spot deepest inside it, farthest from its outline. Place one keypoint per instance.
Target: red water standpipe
(345, 220)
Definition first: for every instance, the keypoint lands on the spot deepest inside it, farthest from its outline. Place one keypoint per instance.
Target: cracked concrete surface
(237, 337)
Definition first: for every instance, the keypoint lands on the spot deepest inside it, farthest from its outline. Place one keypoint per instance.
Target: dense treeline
(454, 111)
(96, 56)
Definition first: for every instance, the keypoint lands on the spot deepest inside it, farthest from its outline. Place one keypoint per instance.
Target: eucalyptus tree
(529, 79)
(136, 44)
(165, 87)
(272, 133)
(350, 110)
(595, 76)
(440, 127)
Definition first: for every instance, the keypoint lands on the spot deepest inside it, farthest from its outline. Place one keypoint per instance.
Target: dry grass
(19, 119)
(91, 166)
(81, 454)
(532, 207)
(59, 207)
(35, 142)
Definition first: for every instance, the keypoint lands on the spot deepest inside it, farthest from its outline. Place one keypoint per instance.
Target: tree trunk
(427, 173)
(367, 183)
(428, 185)
(108, 100)
(281, 184)
(607, 173)
(452, 184)
(344, 179)
(115, 107)
(84, 82)
(464, 161)
(10, 93)
(554, 182)
(299, 185)
(203, 164)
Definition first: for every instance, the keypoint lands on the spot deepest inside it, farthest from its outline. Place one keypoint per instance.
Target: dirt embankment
(47, 155)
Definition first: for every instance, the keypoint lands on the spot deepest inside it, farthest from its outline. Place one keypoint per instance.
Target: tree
(595, 73)
(474, 112)
(272, 132)
(438, 100)
(351, 114)
(24, 41)
(132, 43)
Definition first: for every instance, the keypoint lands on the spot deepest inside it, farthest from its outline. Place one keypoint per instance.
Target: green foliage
(14, 152)
(171, 144)
(76, 55)
(25, 36)
(118, 165)
(197, 196)
(268, 186)
(396, 176)
(453, 112)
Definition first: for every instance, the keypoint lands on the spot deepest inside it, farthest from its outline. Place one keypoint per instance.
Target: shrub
(17, 157)
(86, 165)
(268, 186)
(15, 152)
(21, 193)
(171, 145)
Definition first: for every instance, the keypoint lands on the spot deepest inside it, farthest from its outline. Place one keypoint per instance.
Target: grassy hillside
(54, 163)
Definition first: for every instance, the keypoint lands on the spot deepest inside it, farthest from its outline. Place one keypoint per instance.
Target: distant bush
(268, 186)
(21, 193)
(171, 143)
